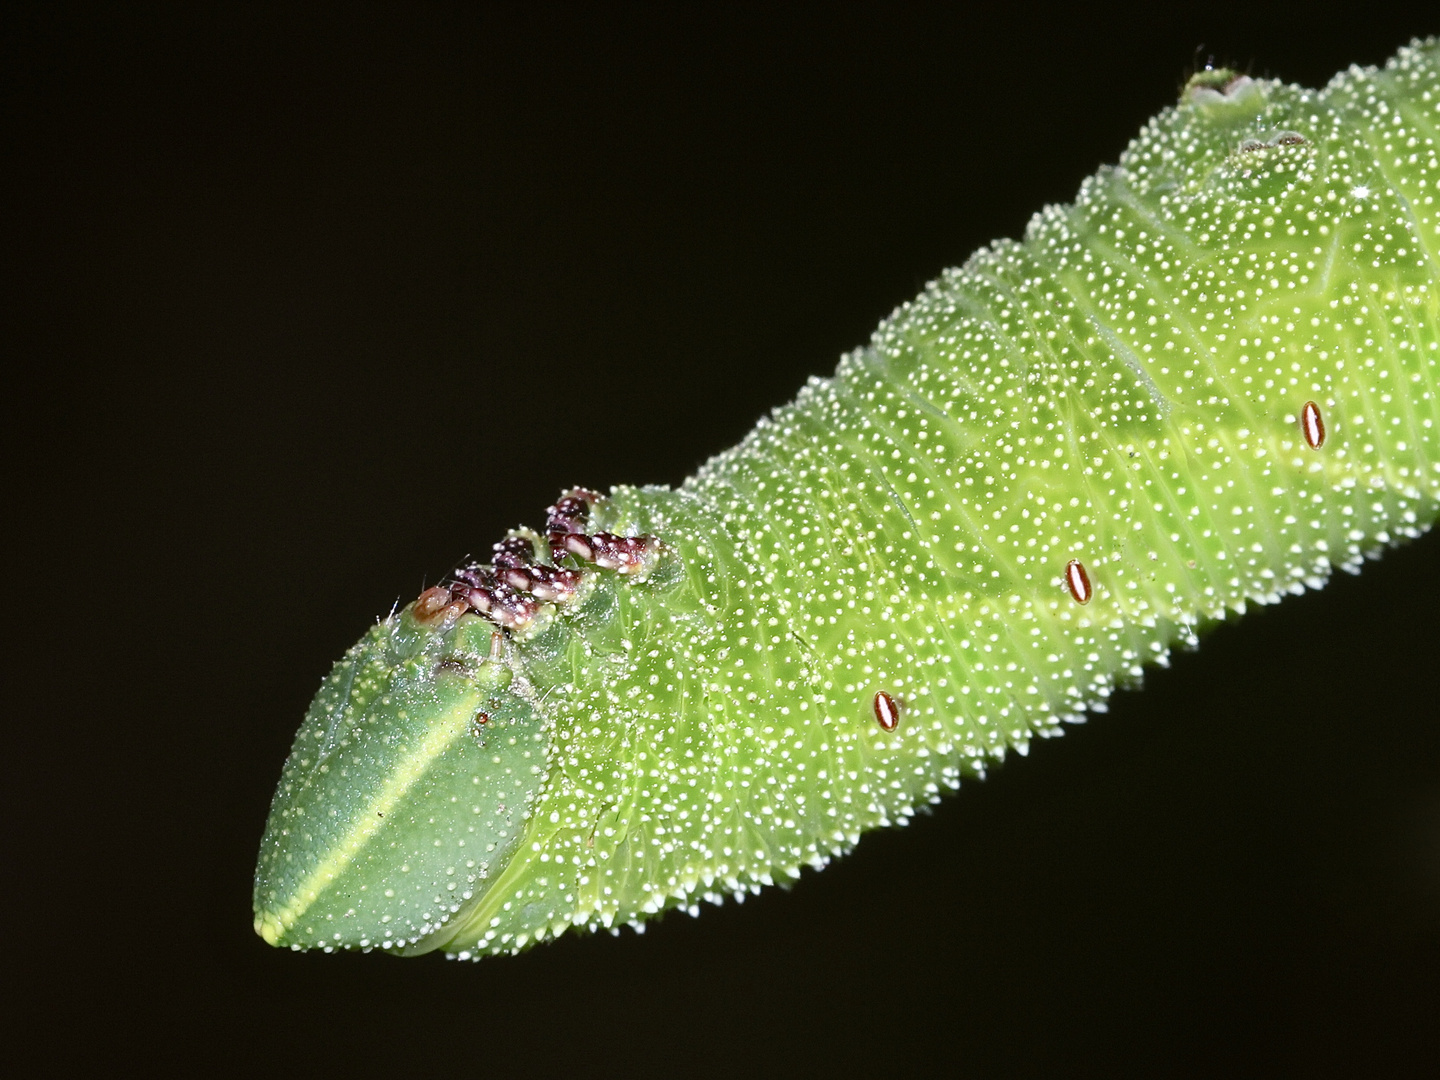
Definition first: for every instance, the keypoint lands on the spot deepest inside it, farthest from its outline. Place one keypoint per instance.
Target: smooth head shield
(405, 790)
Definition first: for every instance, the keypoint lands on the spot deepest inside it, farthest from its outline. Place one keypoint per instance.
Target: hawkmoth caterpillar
(1207, 382)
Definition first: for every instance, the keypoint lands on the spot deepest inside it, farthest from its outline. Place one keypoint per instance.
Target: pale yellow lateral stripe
(272, 923)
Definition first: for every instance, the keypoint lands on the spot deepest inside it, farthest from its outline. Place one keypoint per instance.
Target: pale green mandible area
(1206, 383)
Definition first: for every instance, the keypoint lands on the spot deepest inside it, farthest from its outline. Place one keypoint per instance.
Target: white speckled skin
(1123, 387)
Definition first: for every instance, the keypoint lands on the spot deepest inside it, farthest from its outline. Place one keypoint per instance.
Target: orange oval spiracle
(887, 713)
(1077, 580)
(1312, 425)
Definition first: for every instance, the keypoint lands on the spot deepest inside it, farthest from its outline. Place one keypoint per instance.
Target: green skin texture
(1122, 387)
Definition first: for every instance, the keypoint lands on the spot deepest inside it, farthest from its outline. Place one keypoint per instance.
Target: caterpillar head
(405, 790)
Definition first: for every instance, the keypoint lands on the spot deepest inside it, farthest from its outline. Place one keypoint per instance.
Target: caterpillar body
(1206, 383)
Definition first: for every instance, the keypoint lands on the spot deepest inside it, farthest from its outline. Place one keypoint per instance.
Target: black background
(306, 306)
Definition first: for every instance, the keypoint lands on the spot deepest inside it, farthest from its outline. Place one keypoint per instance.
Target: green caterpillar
(1208, 382)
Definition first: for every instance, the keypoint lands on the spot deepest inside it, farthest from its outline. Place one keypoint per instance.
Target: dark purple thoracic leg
(513, 588)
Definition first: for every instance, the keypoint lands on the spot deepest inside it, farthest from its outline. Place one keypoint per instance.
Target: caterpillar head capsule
(395, 807)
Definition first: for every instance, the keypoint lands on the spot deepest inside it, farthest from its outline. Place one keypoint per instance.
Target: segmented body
(1206, 383)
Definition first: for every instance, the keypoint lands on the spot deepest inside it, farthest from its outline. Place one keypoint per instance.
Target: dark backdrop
(306, 306)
